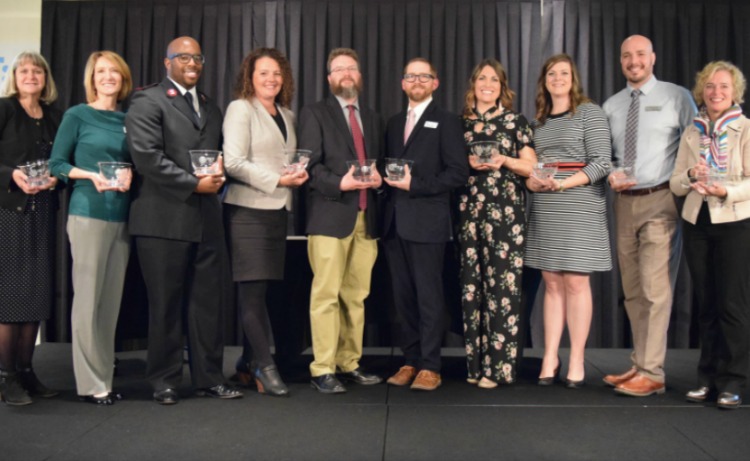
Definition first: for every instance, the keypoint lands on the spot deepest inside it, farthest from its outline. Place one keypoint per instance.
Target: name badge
(430, 124)
(653, 108)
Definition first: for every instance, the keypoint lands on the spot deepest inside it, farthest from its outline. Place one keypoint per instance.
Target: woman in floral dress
(492, 226)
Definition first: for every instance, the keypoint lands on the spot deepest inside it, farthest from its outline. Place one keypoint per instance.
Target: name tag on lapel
(653, 108)
(430, 124)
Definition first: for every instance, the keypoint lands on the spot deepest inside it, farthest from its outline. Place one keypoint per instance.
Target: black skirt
(27, 260)
(257, 243)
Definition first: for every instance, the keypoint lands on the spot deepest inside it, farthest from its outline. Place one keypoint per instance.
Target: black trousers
(718, 256)
(417, 283)
(186, 297)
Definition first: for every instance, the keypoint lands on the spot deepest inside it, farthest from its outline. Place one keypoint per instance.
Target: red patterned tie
(359, 146)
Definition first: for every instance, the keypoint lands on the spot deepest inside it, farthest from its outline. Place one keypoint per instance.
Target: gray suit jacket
(161, 131)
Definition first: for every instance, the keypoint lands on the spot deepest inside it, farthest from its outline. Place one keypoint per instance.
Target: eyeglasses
(423, 78)
(350, 69)
(184, 58)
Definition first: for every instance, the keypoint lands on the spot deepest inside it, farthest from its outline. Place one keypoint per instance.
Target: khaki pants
(646, 229)
(342, 269)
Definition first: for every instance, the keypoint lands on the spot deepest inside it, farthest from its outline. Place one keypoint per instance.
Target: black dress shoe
(570, 384)
(166, 396)
(327, 384)
(550, 380)
(220, 391)
(360, 377)
(269, 382)
(729, 401)
(107, 400)
(699, 395)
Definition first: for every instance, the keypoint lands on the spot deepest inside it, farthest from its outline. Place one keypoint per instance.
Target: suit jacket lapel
(425, 116)
(337, 114)
(268, 120)
(179, 102)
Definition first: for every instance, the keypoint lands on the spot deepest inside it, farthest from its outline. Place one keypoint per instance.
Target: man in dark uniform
(176, 220)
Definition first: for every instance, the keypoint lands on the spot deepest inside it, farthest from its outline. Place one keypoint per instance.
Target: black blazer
(437, 147)
(20, 142)
(161, 130)
(323, 130)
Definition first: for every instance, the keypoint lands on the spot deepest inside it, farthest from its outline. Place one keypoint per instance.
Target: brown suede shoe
(640, 386)
(426, 380)
(404, 376)
(614, 380)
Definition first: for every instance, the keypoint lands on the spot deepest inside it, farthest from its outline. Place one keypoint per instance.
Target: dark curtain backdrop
(453, 34)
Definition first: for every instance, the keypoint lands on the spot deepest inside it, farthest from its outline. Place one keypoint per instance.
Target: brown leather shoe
(614, 380)
(640, 386)
(404, 376)
(426, 380)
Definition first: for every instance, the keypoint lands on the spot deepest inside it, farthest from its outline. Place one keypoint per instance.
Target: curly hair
(738, 81)
(543, 98)
(506, 94)
(244, 87)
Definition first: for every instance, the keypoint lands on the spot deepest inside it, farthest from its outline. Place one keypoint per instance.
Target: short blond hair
(738, 81)
(120, 65)
(49, 94)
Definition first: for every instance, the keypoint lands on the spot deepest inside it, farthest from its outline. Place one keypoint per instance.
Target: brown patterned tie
(359, 146)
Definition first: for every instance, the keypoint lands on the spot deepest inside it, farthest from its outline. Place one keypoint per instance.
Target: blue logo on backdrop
(3, 69)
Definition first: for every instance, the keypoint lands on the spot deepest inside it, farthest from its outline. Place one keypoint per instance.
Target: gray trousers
(100, 251)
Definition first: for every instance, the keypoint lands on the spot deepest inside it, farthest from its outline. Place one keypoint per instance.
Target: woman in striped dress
(567, 237)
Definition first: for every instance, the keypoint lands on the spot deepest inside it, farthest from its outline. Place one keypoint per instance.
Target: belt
(568, 166)
(646, 191)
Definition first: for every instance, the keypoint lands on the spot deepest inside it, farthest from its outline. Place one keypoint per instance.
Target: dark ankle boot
(244, 374)
(33, 386)
(269, 382)
(11, 391)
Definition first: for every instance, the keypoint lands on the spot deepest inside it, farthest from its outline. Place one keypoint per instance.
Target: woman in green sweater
(97, 222)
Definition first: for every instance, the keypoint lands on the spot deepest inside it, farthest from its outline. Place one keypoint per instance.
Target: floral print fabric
(491, 238)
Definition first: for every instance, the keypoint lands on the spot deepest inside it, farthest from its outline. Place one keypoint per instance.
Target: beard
(347, 92)
(418, 93)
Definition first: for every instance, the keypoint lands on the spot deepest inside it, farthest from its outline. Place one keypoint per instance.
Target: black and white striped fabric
(568, 230)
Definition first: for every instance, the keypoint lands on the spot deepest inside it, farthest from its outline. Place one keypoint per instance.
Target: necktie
(196, 115)
(409, 124)
(359, 146)
(631, 129)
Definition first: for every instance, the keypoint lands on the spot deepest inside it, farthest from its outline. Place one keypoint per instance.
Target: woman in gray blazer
(258, 133)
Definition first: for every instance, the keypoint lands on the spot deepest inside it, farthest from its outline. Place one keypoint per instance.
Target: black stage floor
(456, 422)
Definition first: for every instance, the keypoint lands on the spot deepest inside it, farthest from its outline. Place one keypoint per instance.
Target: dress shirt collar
(646, 87)
(345, 105)
(419, 109)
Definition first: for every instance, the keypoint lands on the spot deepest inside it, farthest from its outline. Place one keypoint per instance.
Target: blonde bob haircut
(120, 65)
(49, 94)
(738, 81)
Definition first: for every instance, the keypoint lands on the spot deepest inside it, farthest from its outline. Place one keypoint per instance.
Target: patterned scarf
(713, 144)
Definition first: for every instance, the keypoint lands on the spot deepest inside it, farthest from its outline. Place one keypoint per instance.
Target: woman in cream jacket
(713, 171)
(258, 131)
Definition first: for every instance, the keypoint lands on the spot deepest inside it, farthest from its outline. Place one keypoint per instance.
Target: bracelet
(560, 186)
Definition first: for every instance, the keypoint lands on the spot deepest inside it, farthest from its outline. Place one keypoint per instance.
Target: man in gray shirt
(647, 119)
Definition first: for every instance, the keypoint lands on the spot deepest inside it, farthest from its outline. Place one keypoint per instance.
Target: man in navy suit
(176, 220)
(417, 220)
